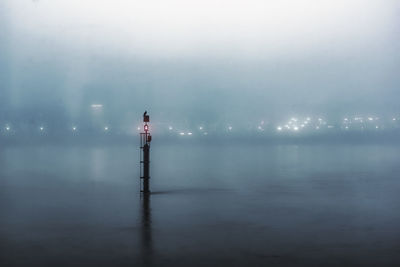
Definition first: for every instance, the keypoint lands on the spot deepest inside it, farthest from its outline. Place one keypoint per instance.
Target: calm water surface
(212, 205)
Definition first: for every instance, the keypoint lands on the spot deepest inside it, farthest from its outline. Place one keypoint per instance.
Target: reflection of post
(146, 236)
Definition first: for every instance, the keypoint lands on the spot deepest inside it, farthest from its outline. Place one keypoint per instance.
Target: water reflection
(98, 163)
(146, 231)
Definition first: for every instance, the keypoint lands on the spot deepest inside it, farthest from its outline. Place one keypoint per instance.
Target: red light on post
(146, 128)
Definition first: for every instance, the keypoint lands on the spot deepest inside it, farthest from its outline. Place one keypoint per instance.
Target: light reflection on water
(211, 205)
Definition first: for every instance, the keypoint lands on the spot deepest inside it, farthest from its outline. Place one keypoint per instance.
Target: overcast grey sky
(205, 59)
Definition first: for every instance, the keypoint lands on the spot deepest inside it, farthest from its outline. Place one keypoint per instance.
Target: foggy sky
(201, 60)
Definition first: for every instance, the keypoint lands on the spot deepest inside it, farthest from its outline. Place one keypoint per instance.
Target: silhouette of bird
(145, 113)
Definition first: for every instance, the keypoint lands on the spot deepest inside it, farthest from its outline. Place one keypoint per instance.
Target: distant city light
(96, 106)
(294, 124)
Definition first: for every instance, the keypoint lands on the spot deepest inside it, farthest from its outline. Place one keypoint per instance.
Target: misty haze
(272, 137)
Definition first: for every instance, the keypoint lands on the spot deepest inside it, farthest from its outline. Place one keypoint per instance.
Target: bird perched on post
(146, 117)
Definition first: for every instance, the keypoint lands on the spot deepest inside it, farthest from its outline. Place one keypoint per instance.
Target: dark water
(212, 205)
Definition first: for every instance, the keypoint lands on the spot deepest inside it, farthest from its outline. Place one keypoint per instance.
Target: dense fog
(217, 64)
(274, 131)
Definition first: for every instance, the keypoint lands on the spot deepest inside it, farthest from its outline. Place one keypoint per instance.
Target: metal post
(145, 139)
(146, 168)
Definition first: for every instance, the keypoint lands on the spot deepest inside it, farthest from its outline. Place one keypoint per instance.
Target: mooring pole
(145, 139)
(146, 168)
